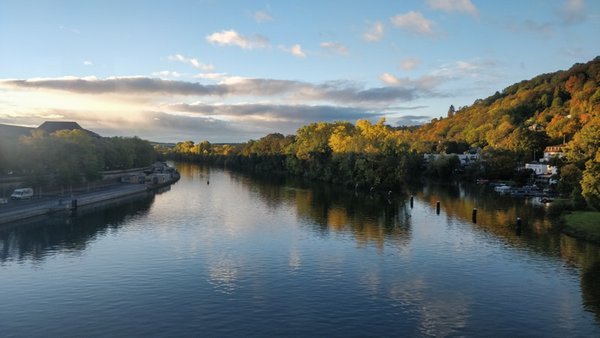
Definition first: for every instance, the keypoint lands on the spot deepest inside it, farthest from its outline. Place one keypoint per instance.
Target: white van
(22, 194)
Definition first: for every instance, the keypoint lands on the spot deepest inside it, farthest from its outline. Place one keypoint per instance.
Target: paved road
(36, 206)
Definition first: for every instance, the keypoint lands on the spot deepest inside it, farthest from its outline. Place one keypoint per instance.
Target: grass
(584, 223)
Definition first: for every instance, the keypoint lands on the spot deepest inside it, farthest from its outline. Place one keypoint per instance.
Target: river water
(243, 256)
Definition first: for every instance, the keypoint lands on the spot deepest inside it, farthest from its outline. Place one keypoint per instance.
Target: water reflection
(372, 219)
(495, 214)
(34, 239)
(243, 246)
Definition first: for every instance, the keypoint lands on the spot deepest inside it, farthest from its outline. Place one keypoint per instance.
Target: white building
(542, 168)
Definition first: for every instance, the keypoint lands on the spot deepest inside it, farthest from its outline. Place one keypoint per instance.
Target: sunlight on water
(254, 257)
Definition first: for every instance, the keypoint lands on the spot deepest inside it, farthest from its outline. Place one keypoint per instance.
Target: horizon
(232, 71)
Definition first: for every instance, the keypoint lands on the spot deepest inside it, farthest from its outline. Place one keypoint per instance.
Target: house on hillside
(552, 152)
(543, 172)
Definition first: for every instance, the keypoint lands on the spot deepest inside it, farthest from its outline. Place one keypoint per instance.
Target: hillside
(525, 117)
(13, 132)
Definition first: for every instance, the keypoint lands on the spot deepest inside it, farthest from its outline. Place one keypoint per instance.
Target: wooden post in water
(411, 201)
(519, 226)
(437, 207)
(474, 215)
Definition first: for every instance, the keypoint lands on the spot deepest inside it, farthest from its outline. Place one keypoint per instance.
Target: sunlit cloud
(389, 79)
(165, 74)
(295, 50)
(241, 107)
(375, 32)
(195, 63)
(454, 6)
(335, 91)
(409, 63)
(87, 63)
(291, 113)
(413, 22)
(233, 38)
(335, 47)
(421, 84)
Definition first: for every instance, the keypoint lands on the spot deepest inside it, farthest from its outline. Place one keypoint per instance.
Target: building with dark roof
(53, 126)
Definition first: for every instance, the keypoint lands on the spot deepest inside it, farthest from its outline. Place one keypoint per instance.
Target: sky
(230, 71)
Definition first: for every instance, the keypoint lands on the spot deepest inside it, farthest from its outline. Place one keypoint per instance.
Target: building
(552, 152)
(542, 168)
(465, 159)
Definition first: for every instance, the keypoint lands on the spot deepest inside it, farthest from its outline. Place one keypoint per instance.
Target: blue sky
(230, 71)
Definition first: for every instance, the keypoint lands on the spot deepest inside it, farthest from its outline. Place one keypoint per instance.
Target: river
(243, 256)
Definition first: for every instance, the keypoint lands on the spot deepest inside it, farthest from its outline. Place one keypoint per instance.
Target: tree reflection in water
(37, 239)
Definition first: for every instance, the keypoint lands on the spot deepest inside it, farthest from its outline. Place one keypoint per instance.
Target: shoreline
(16, 211)
(578, 224)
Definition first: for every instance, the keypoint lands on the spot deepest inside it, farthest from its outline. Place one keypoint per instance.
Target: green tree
(590, 183)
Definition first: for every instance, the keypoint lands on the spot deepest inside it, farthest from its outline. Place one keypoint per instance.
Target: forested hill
(523, 117)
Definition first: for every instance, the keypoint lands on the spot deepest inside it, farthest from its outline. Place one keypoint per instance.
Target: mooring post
(474, 215)
(437, 207)
(519, 226)
(411, 201)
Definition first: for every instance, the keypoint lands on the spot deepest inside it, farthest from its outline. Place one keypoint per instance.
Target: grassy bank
(583, 224)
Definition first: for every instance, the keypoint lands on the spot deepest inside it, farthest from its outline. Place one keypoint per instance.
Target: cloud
(424, 84)
(233, 38)
(295, 50)
(573, 11)
(192, 62)
(87, 63)
(335, 47)
(375, 32)
(274, 112)
(409, 63)
(389, 79)
(458, 69)
(340, 92)
(262, 16)
(166, 74)
(412, 120)
(413, 22)
(454, 6)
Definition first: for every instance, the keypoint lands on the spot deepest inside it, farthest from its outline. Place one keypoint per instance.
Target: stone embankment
(19, 210)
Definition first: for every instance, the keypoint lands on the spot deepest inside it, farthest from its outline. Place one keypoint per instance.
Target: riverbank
(583, 225)
(19, 210)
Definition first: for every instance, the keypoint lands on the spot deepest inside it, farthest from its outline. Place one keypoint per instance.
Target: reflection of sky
(238, 256)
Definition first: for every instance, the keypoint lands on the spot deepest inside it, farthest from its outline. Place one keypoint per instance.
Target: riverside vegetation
(509, 128)
(70, 157)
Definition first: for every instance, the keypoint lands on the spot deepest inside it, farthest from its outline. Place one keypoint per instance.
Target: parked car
(22, 194)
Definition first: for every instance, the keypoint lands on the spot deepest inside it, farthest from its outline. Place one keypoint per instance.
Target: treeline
(561, 108)
(508, 129)
(71, 157)
(547, 110)
(364, 155)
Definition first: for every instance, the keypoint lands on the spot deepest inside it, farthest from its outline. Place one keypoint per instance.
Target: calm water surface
(250, 257)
